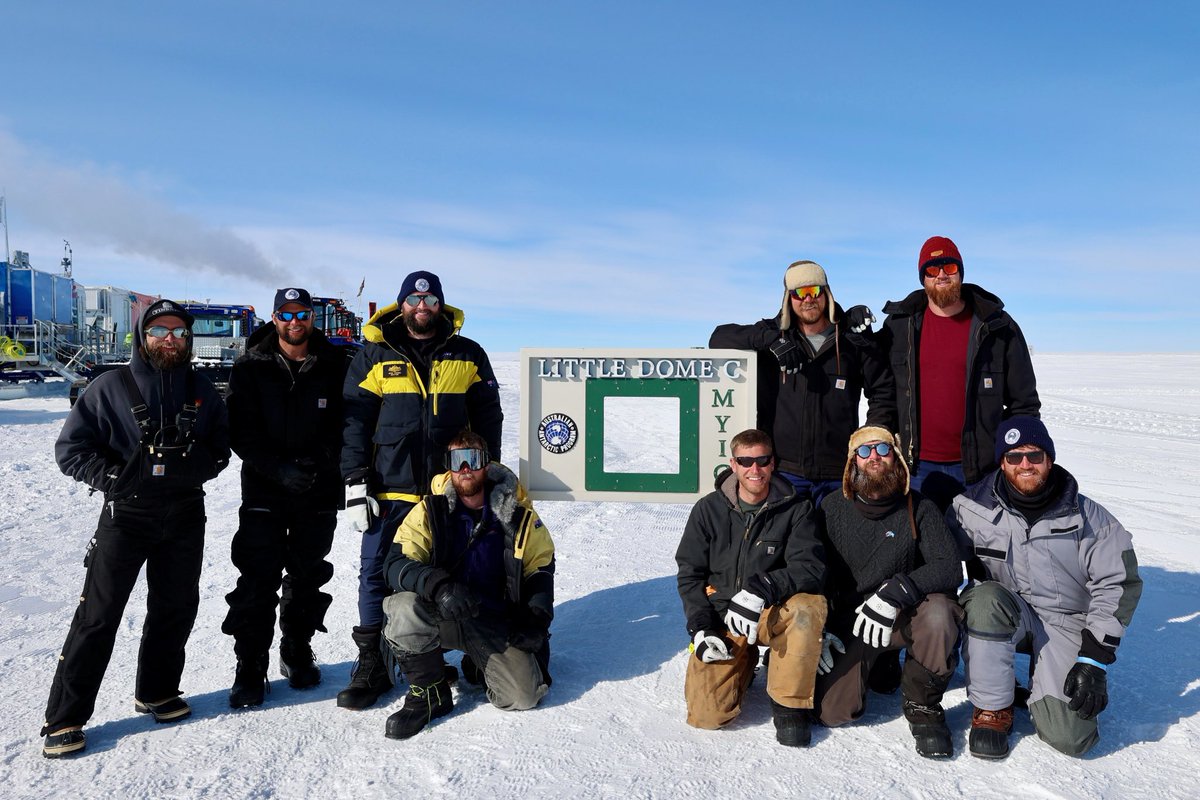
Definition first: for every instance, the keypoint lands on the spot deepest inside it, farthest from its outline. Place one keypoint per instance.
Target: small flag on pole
(362, 286)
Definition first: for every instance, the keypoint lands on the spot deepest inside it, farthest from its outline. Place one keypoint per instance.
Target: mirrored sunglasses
(469, 457)
(161, 331)
(288, 316)
(807, 291)
(883, 448)
(747, 461)
(932, 270)
(1014, 458)
(431, 301)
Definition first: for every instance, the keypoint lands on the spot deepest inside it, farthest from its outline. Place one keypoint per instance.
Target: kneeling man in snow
(1058, 580)
(750, 571)
(473, 570)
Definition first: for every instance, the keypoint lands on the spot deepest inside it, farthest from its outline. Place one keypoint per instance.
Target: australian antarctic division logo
(558, 433)
(291, 294)
(421, 285)
(1012, 436)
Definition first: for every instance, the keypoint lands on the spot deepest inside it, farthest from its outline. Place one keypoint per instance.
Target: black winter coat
(100, 441)
(276, 418)
(811, 414)
(721, 549)
(863, 553)
(1000, 379)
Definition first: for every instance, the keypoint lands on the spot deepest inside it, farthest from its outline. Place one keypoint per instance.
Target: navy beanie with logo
(1020, 431)
(421, 281)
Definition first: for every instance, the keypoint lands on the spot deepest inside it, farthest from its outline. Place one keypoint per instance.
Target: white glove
(361, 507)
(742, 615)
(875, 619)
(710, 647)
(829, 643)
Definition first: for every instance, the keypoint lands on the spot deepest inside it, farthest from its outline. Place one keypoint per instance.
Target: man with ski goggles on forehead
(815, 364)
(473, 570)
(961, 366)
(1053, 574)
(750, 571)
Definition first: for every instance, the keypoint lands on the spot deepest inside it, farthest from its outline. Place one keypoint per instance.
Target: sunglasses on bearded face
(161, 331)
(288, 316)
(747, 461)
(469, 457)
(431, 301)
(883, 448)
(932, 270)
(802, 292)
(1014, 458)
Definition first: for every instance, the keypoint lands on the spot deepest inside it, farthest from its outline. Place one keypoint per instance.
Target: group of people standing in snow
(404, 435)
(942, 525)
(829, 546)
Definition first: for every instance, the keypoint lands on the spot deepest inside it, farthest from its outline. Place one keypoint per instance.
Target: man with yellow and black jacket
(415, 384)
(473, 570)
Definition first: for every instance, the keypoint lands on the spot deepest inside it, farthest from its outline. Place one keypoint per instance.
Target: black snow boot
(793, 726)
(428, 696)
(249, 682)
(923, 691)
(370, 677)
(989, 732)
(298, 664)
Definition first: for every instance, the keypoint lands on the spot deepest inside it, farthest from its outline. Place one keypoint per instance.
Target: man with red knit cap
(961, 366)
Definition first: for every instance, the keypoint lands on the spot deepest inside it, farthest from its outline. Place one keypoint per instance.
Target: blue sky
(617, 174)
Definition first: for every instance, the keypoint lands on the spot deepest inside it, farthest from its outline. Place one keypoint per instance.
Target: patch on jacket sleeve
(395, 370)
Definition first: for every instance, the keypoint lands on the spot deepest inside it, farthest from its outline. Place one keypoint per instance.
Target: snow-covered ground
(612, 725)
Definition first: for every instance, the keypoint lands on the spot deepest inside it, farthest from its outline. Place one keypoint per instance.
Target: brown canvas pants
(792, 632)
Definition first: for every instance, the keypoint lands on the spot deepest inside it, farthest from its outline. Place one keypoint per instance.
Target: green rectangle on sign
(687, 479)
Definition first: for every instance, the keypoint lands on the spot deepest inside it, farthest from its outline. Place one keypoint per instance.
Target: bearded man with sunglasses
(412, 387)
(147, 436)
(893, 571)
(472, 566)
(1053, 574)
(816, 362)
(961, 365)
(750, 571)
(286, 420)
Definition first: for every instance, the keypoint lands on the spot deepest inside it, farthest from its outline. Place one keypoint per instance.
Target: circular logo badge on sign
(291, 294)
(422, 285)
(558, 433)
(1012, 436)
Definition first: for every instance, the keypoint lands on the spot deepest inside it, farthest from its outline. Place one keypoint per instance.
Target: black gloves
(295, 478)
(859, 319)
(529, 631)
(789, 355)
(1087, 686)
(455, 601)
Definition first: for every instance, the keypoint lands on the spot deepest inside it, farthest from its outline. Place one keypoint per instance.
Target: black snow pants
(268, 542)
(167, 535)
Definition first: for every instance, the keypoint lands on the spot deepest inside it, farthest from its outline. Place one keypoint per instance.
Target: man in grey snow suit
(1057, 578)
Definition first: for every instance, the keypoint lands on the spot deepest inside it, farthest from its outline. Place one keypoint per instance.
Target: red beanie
(937, 250)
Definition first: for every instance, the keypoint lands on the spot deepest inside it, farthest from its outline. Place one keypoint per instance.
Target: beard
(164, 356)
(809, 313)
(468, 484)
(414, 323)
(299, 337)
(1028, 484)
(881, 485)
(946, 296)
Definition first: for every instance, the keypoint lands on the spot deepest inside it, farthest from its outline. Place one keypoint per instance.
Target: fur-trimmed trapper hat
(865, 435)
(803, 273)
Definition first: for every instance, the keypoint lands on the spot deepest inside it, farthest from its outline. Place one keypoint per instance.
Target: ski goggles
(431, 300)
(748, 461)
(1014, 458)
(161, 331)
(288, 316)
(932, 270)
(469, 457)
(883, 448)
(802, 292)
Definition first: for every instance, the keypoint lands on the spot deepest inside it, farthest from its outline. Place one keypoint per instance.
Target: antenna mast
(66, 260)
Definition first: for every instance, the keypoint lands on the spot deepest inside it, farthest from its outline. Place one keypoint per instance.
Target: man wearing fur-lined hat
(893, 567)
(816, 362)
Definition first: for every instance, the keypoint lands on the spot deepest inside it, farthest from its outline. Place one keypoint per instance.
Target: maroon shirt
(943, 371)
